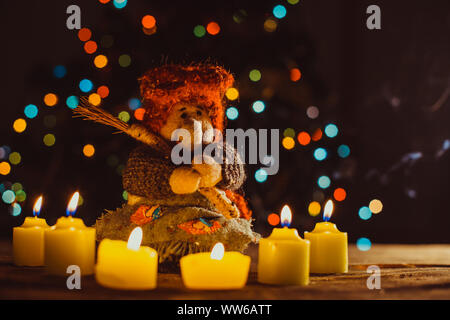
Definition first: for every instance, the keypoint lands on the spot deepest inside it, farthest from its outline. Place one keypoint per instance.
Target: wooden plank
(407, 272)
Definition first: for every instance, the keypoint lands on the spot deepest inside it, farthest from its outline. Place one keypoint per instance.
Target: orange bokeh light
(273, 219)
(90, 47)
(317, 135)
(213, 28)
(84, 34)
(339, 194)
(303, 138)
(139, 114)
(148, 21)
(104, 1)
(103, 91)
(295, 74)
(50, 99)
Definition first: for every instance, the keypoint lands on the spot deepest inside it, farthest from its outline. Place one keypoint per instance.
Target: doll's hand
(184, 180)
(210, 172)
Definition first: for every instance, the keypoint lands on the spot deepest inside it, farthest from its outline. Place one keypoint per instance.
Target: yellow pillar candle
(122, 265)
(28, 239)
(329, 248)
(284, 255)
(218, 270)
(70, 242)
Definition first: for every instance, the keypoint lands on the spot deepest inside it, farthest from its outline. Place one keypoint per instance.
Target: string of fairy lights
(316, 140)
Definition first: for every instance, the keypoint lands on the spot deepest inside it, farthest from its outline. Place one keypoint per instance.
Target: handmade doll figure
(183, 208)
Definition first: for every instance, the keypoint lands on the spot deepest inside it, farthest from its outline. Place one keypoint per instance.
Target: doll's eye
(184, 115)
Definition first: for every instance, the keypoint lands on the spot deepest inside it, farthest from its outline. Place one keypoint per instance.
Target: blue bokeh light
(363, 244)
(86, 85)
(232, 113)
(343, 151)
(119, 4)
(16, 209)
(320, 154)
(72, 102)
(365, 213)
(59, 71)
(261, 175)
(324, 182)
(279, 11)
(331, 130)
(258, 106)
(8, 196)
(134, 103)
(31, 111)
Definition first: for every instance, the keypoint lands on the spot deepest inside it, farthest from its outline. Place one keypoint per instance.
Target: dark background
(386, 90)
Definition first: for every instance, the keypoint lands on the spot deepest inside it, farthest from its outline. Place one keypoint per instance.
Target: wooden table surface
(407, 272)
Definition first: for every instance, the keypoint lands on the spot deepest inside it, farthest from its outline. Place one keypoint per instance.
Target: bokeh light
(103, 91)
(293, 1)
(124, 60)
(365, 213)
(232, 113)
(317, 135)
(15, 158)
(258, 106)
(72, 102)
(279, 11)
(289, 132)
(124, 116)
(148, 21)
(31, 111)
(134, 103)
(340, 194)
(89, 150)
(270, 25)
(19, 125)
(125, 195)
(375, 206)
(232, 94)
(16, 209)
(273, 219)
(21, 196)
(312, 112)
(363, 244)
(120, 4)
(304, 138)
(254, 75)
(199, 31)
(324, 182)
(331, 130)
(239, 16)
(94, 99)
(59, 71)
(261, 175)
(320, 154)
(8, 196)
(100, 61)
(314, 208)
(295, 74)
(86, 85)
(84, 34)
(5, 168)
(343, 151)
(90, 47)
(139, 114)
(49, 139)
(16, 187)
(50, 99)
(288, 143)
(213, 28)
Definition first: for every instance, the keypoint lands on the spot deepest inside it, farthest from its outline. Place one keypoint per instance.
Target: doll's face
(190, 117)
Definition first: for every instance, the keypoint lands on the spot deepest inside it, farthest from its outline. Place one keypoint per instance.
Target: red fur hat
(202, 84)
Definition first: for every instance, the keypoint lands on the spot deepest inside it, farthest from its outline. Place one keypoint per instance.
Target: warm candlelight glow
(73, 204)
(37, 206)
(328, 210)
(135, 239)
(286, 216)
(218, 251)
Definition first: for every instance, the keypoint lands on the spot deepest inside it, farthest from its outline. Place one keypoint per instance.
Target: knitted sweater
(178, 224)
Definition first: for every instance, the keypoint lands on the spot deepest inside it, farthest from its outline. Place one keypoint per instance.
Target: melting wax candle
(122, 265)
(70, 242)
(218, 270)
(284, 255)
(329, 249)
(28, 239)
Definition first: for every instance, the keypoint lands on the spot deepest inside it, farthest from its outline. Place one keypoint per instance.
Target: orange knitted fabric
(202, 84)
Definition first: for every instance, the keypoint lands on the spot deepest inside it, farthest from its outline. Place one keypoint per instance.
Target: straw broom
(89, 112)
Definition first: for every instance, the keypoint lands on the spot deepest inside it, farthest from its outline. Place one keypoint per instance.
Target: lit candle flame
(135, 239)
(218, 251)
(73, 204)
(286, 216)
(37, 207)
(328, 210)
